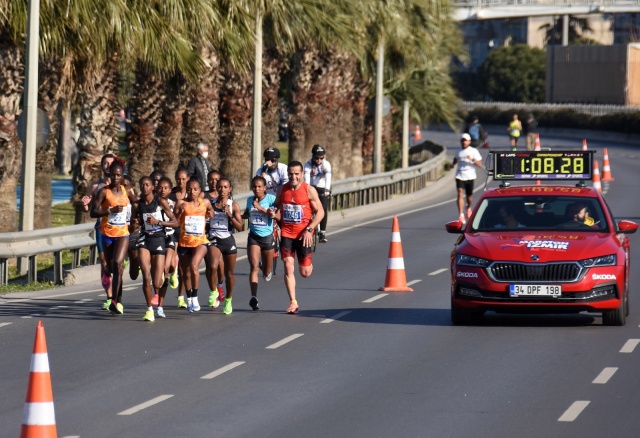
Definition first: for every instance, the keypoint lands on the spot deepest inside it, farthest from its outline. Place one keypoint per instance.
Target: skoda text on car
(541, 248)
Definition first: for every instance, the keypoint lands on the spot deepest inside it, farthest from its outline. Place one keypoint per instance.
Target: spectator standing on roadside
(514, 129)
(530, 129)
(476, 132)
(199, 166)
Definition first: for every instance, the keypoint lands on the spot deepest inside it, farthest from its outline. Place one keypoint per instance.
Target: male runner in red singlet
(301, 213)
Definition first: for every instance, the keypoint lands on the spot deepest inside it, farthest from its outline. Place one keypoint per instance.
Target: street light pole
(256, 120)
(28, 176)
(377, 124)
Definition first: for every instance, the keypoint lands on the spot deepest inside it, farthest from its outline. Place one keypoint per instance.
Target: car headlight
(608, 260)
(465, 260)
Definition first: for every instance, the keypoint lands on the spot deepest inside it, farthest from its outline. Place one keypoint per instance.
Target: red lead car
(541, 249)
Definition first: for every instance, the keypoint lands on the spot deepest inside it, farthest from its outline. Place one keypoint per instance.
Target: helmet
(318, 151)
(271, 153)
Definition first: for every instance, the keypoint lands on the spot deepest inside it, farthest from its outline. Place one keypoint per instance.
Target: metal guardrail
(592, 110)
(346, 193)
(489, 3)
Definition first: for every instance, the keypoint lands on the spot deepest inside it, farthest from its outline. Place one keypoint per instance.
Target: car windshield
(520, 213)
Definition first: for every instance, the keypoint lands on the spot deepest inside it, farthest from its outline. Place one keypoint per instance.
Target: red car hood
(519, 246)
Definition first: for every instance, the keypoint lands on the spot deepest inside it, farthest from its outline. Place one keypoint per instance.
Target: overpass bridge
(471, 10)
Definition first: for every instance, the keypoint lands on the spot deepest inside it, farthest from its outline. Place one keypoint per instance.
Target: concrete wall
(593, 74)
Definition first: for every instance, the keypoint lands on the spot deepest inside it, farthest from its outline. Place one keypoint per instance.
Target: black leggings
(324, 201)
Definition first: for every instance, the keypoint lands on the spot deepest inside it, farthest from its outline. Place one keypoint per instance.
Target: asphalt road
(355, 362)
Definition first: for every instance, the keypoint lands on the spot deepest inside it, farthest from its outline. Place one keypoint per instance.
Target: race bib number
(258, 218)
(118, 219)
(149, 228)
(219, 221)
(292, 214)
(194, 225)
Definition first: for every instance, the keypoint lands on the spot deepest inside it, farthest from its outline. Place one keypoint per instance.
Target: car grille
(548, 272)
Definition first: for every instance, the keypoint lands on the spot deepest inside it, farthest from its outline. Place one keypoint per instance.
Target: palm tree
(11, 88)
(287, 25)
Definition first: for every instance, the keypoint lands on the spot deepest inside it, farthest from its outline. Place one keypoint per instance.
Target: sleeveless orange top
(296, 210)
(115, 224)
(192, 222)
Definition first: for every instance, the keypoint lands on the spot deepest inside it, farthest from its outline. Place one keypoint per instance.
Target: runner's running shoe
(469, 212)
(213, 299)
(195, 305)
(189, 305)
(148, 316)
(221, 294)
(154, 300)
(160, 313)
(106, 304)
(227, 306)
(462, 219)
(181, 303)
(267, 277)
(323, 238)
(119, 308)
(293, 308)
(253, 302)
(173, 281)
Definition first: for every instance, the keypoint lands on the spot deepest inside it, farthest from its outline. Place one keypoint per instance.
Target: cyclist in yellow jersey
(514, 129)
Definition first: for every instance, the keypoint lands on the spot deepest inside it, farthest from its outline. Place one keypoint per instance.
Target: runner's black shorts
(467, 185)
(293, 247)
(226, 246)
(154, 243)
(264, 242)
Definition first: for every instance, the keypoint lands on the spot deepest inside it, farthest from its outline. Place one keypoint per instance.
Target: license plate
(534, 290)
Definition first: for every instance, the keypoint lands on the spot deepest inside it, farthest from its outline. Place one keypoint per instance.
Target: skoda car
(541, 249)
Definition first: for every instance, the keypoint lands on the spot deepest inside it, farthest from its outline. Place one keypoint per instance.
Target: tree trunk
(167, 158)
(273, 66)
(45, 156)
(201, 119)
(11, 90)
(146, 112)
(98, 128)
(235, 128)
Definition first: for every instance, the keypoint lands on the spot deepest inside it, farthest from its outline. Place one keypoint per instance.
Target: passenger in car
(508, 218)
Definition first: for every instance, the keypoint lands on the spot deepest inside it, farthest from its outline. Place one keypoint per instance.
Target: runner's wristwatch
(309, 229)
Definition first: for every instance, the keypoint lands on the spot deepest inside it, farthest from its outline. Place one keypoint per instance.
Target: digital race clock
(543, 165)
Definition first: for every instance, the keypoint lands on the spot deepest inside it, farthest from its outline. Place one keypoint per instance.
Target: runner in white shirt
(317, 173)
(467, 158)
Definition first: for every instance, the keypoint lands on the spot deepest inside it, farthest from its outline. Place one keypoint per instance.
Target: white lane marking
(26, 317)
(334, 317)
(222, 370)
(574, 410)
(377, 297)
(4, 324)
(71, 436)
(412, 282)
(629, 346)
(145, 405)
(61, 307)
(284, 341)
(605, 375)
(135, 286)
(439, 271)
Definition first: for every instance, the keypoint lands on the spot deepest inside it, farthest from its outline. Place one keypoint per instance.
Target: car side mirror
(456, 227)
(627, 227)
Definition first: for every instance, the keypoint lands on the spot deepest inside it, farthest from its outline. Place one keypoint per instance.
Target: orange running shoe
(293, 308)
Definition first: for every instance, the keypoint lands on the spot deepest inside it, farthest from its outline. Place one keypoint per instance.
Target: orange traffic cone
(537, 144)
(596, 177)
(39, 420)
(584, 144)
(417, 135)
(396, 279)
(606, 168)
